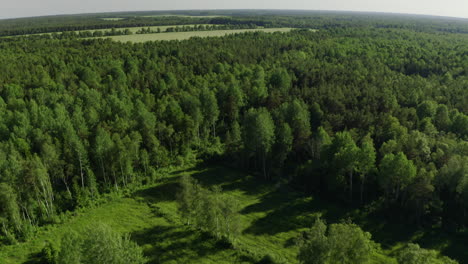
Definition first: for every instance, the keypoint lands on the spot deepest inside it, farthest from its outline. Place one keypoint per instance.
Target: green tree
(427, 109)
(280, 80)
(188, 197)
(396, 173)
(10, 218)
(258, 92)
(413, 254)
(283, 145)
(259, 134)
(36, 174)
(366, 161)
(70, 249)
(103, 146)
(337, 243)
(344, 159)
(210, 110)
(442, 118)
(99, 244)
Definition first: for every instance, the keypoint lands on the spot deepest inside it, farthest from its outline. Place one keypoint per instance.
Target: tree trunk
(351, 185)
(103, 171)
(81, 171)
(66, 186)
(362, 189)
(115, 180)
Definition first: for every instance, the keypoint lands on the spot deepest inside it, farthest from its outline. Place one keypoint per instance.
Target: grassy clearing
(154, 28)
(271, 218)
(112, 18)
(172, 15)
(190, 34)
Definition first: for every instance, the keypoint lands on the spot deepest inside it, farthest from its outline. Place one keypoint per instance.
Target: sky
(26, 8)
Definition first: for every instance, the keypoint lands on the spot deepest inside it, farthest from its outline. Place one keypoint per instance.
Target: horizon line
(236, 9)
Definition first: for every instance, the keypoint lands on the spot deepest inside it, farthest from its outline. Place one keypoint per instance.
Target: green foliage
(209, 210)
(336, 243)
(98, 244)
(413, 254)
(396, 173)
(80, 118)
(259, 134)
(9, 210)
(427, 109)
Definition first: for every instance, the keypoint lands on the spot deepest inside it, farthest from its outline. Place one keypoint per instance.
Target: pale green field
(169, 15)
(112, 18)
(135, 29)
(188, 35)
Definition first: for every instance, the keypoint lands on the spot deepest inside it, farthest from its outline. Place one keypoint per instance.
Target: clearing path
(190, 34)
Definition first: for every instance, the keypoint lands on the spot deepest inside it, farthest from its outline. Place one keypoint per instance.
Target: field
(271, 218)
(154, 28)
(187, 35)
(172, 15)
(113, 18)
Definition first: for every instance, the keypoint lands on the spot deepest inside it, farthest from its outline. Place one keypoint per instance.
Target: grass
(271, 218)
(154, 28)
(190, 34)
(170, 15)
(112, 18)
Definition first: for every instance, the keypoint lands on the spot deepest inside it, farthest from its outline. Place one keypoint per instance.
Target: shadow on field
(289, 211)
(232, 179)
(452, 245)
(163, 192)
(286, 209)
(34, 259)
(282, 209)
(175, 244)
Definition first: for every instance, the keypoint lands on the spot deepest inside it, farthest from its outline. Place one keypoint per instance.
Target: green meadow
(190, 34)
(272, 217)
(153, 28)
(112, 18)
(184, 16)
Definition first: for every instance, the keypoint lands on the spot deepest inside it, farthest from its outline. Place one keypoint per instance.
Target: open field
(187, 35)
(112, 18)
(173, 15)
(135, 29)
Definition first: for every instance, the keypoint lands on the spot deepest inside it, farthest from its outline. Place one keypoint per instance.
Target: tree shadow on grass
(453, 245)
(231, 179)
(176, 244)
(160, 193)
(34, 258)
(289, 210)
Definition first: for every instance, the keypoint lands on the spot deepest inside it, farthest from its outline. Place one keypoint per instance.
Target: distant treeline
(264, 18)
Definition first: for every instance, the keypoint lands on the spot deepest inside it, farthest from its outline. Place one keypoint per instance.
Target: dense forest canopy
(368, 110)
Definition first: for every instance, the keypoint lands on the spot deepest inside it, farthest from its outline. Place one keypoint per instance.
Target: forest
(367, 112)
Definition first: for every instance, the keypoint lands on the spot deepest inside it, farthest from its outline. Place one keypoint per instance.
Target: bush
(49, 254)
(99, 244)
(267, 259)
